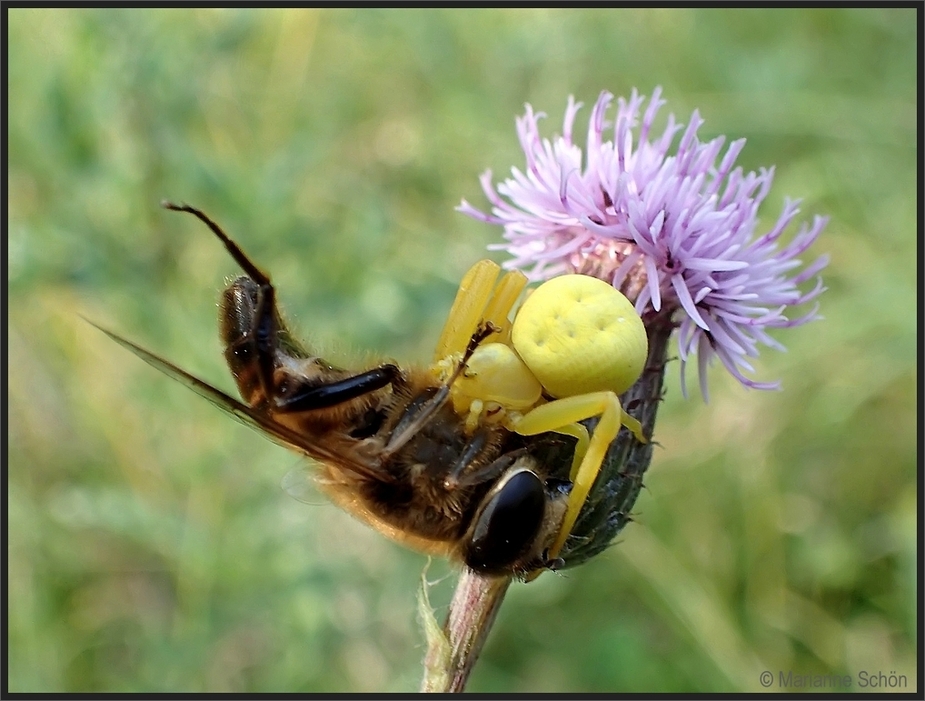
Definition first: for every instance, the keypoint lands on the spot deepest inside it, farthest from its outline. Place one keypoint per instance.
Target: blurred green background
(151, 547)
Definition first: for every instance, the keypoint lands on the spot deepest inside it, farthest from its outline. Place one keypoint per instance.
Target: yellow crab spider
(575, 339)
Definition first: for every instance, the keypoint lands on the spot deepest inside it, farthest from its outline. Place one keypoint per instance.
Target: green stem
(452, 655)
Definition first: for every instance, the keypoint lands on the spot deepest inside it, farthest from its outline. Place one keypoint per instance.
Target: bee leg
(266, 322)
(561, 413)
(479, 301)
(253, 272)
(428, 409)
(531, 570)
(458, 477)
(333, 393)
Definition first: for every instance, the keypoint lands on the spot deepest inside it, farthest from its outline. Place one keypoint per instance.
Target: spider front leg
(478, 301)
(562, 415)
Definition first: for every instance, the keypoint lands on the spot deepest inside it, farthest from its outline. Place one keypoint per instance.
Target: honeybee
(481, 457)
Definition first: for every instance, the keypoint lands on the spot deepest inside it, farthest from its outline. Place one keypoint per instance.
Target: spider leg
(265, 323)
(502, 301)
(479, 300)
(559, 415)
(581, 435)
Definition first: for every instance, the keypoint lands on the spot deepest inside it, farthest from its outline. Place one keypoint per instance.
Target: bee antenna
(253, 272)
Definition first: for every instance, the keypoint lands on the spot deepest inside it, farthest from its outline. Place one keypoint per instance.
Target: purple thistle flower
(675, 233)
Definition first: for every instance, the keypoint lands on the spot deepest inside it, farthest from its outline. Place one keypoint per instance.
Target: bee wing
(300, 484)
(247, 415)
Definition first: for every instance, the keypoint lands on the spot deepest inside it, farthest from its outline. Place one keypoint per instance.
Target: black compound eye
(508, 524)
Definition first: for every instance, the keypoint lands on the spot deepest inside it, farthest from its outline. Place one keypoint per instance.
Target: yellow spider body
(573, 345)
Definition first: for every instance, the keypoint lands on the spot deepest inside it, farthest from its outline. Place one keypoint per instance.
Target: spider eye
(507, 524)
